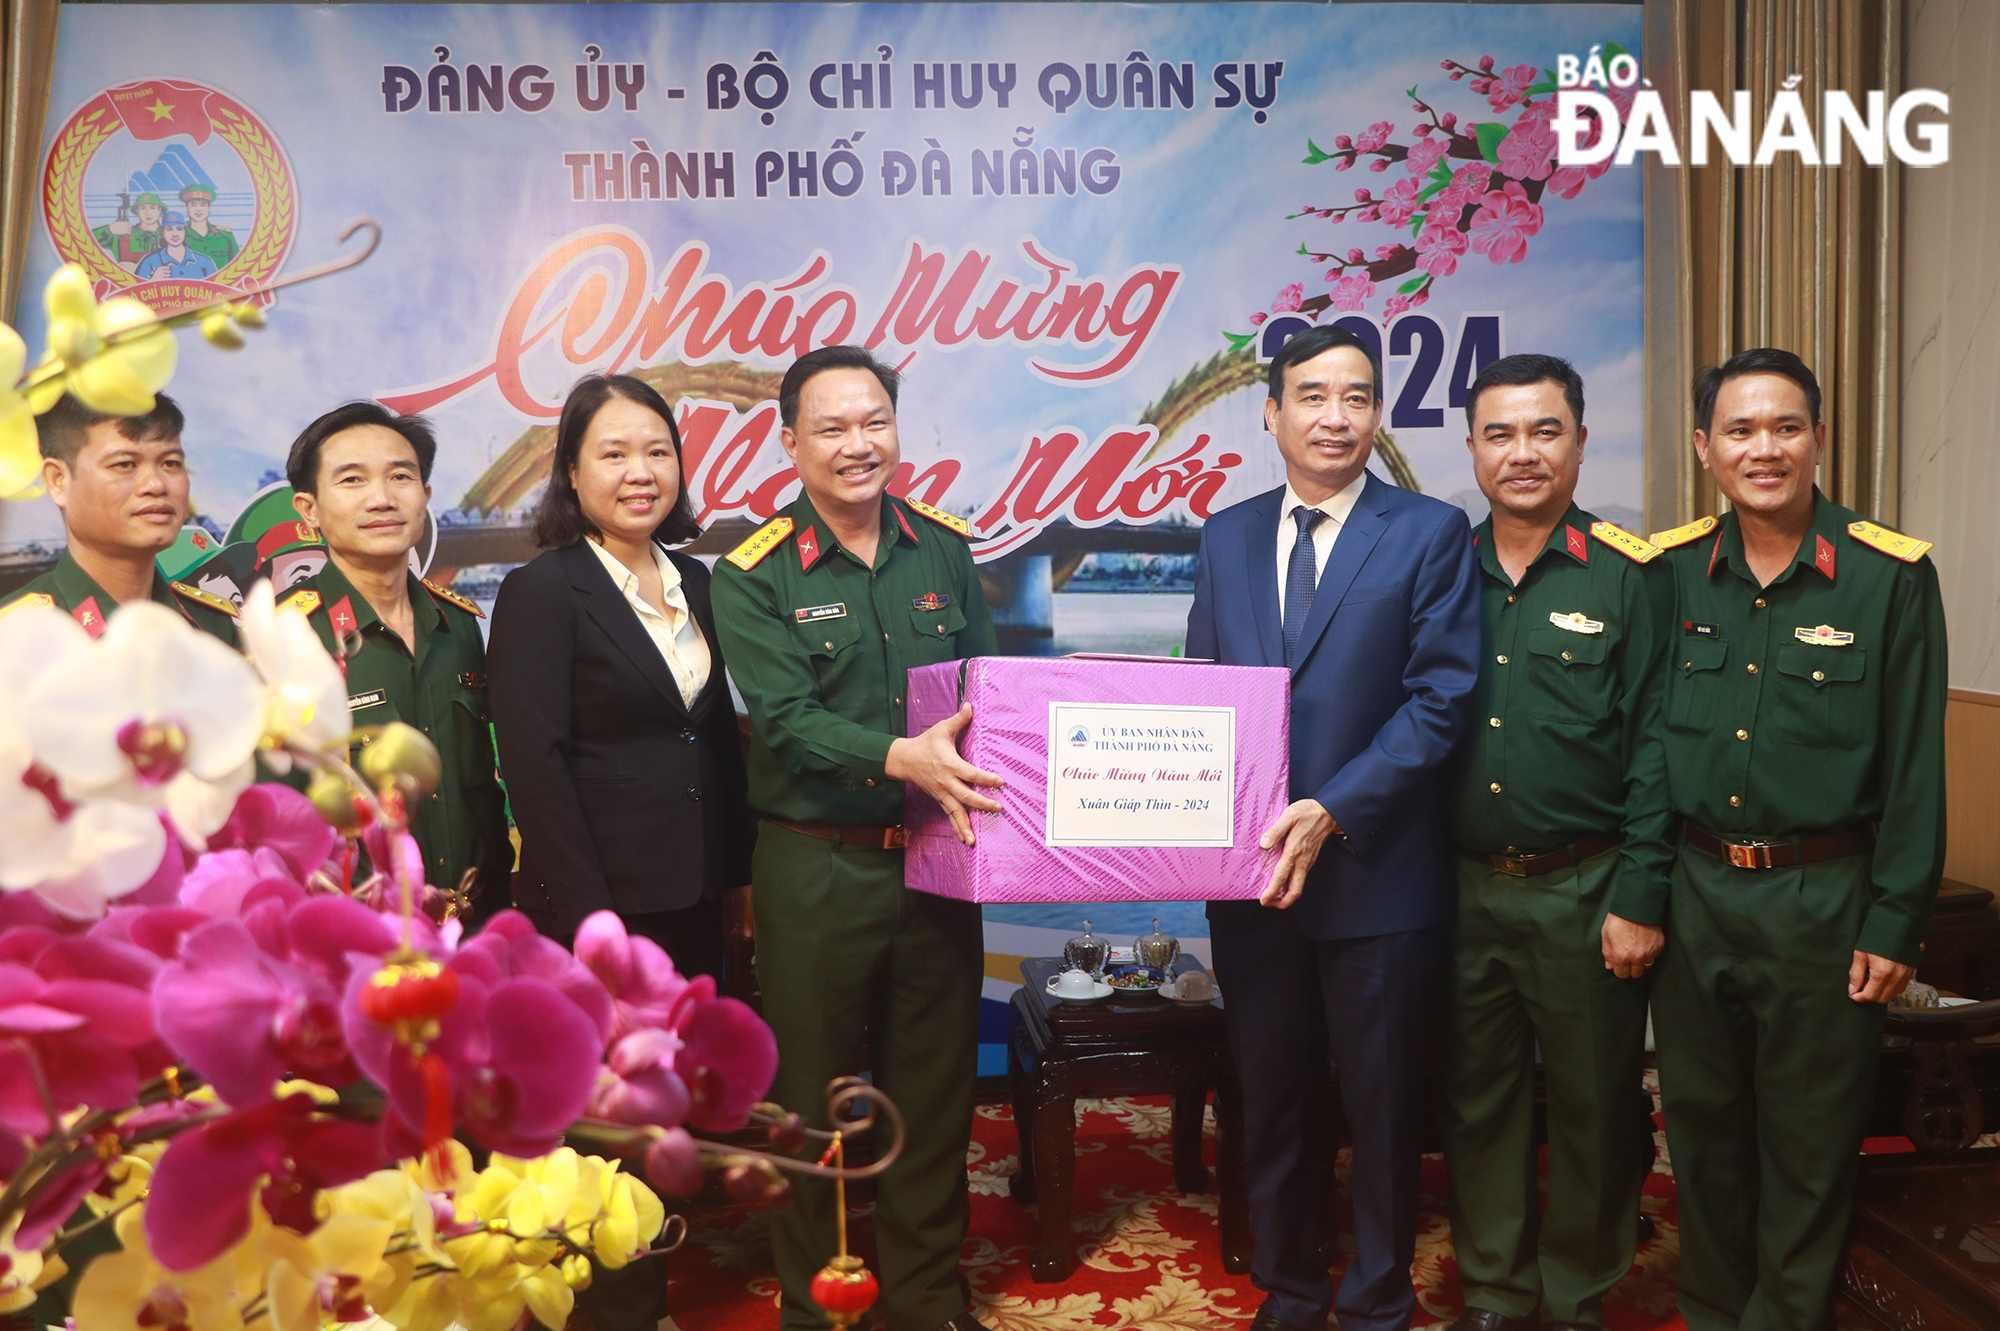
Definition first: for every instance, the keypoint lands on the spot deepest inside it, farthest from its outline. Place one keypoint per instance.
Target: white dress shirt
(676, 634)
(1336, 507)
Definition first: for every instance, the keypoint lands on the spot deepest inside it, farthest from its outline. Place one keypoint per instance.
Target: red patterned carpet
(1148, 1257)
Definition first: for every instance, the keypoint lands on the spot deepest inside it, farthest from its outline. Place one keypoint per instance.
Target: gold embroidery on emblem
(1826, 635)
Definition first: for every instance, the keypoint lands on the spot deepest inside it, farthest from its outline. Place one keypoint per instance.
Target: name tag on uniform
(1694, 630)
(1826, 635)
(355, 701)
(812, 614)
(1576, 622)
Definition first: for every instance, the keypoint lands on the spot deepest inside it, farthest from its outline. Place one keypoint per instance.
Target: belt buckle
(1750, 855)
(895, 838)
(1515, 865)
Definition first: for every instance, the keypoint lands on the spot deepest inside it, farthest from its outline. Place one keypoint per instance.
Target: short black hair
(559, 518)
(302, 465)
(1527, 368)
(60, 429)
(830, 358)
(1758, 360)
(1317, 341)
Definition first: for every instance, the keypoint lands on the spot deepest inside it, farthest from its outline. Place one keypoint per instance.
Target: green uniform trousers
(1526, 970)
(1767, 1070)
(847, 955)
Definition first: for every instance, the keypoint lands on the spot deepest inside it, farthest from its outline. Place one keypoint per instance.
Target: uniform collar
(1818, 549)
(1569, 539)
(813, 541)
(74, 586)
(334, 588)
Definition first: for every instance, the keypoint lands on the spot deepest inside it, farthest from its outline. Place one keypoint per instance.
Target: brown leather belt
(849, 834)
(1782, 852)
(1527, 866)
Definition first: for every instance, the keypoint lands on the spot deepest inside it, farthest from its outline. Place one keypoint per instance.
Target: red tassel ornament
(844, 1289)
(410, 994)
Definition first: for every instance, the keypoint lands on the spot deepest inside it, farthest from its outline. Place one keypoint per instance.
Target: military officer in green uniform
(126, 243)
(1560, 818)
(822, 613)
(203, 236)
(121, 484)
(1805, 751)
(360, 476)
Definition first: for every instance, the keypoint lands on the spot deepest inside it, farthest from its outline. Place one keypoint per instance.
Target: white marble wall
(1951, 330)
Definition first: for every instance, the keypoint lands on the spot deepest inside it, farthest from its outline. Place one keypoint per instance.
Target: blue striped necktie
(1301, 577)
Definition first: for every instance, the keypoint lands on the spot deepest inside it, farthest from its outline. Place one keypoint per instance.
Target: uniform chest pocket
(1695, 683)
(937, 633)
(827, 639)
(1818, 698)
(1568, 678)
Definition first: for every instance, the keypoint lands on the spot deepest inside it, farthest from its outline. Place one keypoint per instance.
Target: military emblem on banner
(170, 191)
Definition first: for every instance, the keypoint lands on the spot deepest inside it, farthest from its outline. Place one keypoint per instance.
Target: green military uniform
(441, 690)
(819, 644)
(1805, 713)
(67, 587)
(1560, 815)
(137, 243)
(218, 242)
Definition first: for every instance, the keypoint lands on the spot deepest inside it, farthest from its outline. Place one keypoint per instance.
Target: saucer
(1191, 1002)
(1150, 974)
(1103, 991)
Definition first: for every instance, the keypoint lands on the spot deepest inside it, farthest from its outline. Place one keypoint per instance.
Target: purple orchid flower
(638, 1083)
(727, 1059)
(277, 818)
(198, 1203)
(86, 1037)
(645, 990)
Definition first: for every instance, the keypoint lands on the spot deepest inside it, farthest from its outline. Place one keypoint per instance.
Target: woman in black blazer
(618, 741)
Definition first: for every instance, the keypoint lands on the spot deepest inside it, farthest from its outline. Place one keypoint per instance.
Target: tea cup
(1073, 984)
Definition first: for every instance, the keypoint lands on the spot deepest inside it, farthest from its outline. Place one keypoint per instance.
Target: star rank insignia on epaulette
(447, 594)
(761, 543)
(940, 517)
(1624, 542)
(305, 600)
(42, 599)
(1677, 536)
(1892, 543)
(209, 599)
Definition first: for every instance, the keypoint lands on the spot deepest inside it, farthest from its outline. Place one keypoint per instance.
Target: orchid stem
(71, 1235)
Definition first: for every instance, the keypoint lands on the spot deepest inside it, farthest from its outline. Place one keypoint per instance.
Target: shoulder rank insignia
(209, 599)
(447, 594)
(762, 542)
(32, 598)
(1624, 542)
(940, 517)
(1906, 548)
(305, 600)
(1675, 536)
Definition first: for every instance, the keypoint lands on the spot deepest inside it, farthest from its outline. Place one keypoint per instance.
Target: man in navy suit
(1370, 595)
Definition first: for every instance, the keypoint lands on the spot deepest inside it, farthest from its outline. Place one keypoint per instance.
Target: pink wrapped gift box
(1165, 775)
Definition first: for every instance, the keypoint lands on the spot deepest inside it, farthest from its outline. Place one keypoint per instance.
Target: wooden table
(1924, 1254)
(1127, 1044)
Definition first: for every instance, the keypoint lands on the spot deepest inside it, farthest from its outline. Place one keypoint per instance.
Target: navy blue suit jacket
(1381, 686)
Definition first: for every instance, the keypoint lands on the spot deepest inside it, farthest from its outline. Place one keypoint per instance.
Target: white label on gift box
(1127, 775)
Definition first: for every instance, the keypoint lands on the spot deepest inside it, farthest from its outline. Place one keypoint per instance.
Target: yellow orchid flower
(21, 1273)
(632, 1218)
(20, 452)
(129, 1291)
(120, 379)
(337, 1272)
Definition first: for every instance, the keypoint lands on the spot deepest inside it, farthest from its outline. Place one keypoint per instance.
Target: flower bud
(248, 313)
(673, 1163)
(399, 756)
(788, 1134)
(757, 1182)
(337, 801)
(218, 328)
(576, 1271)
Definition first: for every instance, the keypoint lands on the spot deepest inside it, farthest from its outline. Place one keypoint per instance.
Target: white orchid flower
(305, 695)
(154, 713)
(75, 857)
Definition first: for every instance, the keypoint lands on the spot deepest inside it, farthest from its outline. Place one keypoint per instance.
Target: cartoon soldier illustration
(174, 257)
(128, 244)
(203, 237)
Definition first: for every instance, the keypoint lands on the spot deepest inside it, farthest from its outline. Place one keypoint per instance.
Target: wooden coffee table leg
(1021, 1188)
(1235, 1199)
(1055, 1179)
(1190, 1175)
